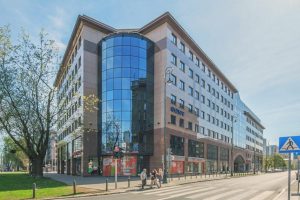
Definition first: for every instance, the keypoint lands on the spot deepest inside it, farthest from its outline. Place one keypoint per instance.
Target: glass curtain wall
(126, 93)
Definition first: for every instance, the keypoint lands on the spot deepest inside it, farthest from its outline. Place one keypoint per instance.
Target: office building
(157, 91)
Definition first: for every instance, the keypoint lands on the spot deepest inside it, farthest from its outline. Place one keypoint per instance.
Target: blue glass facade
(126, 93)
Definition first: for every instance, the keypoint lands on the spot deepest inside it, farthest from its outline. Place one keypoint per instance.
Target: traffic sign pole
(298, 175)
(289, 178)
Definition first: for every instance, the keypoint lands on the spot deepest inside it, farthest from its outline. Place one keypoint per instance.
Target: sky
(255, 43)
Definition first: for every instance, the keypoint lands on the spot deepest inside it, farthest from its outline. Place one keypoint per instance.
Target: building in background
(272, 150)
(51, 154)
(126, 69)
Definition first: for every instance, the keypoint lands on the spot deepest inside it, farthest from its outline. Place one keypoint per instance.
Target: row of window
(199, 113)
(254, 133)
(251, 148)
(196, 94)
(201, 129)
(197, 62)
(71, 61)
(76, 124)
(254, 125)
(69, 81)
(65, 114)
(196, 149)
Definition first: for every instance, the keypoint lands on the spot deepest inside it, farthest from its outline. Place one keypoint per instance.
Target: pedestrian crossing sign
(289, 144)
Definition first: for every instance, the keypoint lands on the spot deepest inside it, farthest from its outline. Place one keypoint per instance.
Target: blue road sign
(289, 144)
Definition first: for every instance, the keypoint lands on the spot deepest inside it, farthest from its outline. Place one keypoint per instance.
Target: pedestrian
(154, 178)
(144, 178)
(160, 176)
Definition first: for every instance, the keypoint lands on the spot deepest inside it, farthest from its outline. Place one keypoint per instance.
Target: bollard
(178, 176)
(191, 175)
(74, 186)
(129, 182)
(184, 176)
(33, 190)
(106, 184)
(171, 177)
(196, 175)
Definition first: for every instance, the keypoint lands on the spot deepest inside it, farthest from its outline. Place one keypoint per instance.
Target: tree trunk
(37, 167)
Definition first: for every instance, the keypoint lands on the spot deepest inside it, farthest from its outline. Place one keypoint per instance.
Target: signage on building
(177, 111)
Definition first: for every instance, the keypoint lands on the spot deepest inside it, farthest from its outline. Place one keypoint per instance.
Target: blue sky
(256, 43)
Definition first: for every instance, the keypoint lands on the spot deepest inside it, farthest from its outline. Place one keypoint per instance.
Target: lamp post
(232, 164)
(254, 155)
(168, 72)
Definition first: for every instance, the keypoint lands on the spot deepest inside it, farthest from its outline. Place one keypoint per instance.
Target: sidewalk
(97, 184)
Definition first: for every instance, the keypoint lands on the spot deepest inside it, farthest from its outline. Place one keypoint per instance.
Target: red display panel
(126, 166)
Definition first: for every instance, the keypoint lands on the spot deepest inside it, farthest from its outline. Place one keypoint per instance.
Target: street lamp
(232, 164)
(167, 79)
(254, 155)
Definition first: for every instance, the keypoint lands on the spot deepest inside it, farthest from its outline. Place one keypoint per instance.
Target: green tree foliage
(27, 103)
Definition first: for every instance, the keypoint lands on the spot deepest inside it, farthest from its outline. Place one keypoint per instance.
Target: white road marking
(178, 191)
(263, 195)
(186, 193)
(196, 196)
(223, 194)
(243, 195)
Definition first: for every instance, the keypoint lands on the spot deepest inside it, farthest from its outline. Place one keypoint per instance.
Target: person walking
(160, 176)
(143, 176)
(154, 178)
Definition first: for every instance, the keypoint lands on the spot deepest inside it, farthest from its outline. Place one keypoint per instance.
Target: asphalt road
(261, 187)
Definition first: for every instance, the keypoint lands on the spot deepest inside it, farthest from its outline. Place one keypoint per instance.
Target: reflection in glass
(127, 93)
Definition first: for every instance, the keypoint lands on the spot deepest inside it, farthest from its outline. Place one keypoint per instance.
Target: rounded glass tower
(126, 93)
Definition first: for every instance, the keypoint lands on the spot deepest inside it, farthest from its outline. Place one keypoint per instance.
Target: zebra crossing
(208, 192)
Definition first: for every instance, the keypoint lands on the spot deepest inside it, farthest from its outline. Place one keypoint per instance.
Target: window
(191, 91)
(196, 128)
(208, 87)
(181, 103)
(212, 152)
(173, 79)
(217, 94)
(173, 99)
(202, 99)
(191, 55)
(191, 73)
(203, 83)
(202, 114)
(213, 91)
(208, 102)
(197, 95)
(197, 62)
(203, 67)
(197, 78)
(182, 47)
(190, 126)
(174, 39)
(181, 85)
(177, 145)
(214, 77)
(174, 60)
(173, 119)
(208, 117)
(182, 66)
(181, 123)
(202, 130)
(197, 112)
(190, 108)
(209, 73)
(217, 108)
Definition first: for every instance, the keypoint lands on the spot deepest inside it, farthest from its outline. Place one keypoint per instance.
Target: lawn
(15, 185)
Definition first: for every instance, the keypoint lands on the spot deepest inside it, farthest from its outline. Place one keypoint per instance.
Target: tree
(13, 156)
(278, 161)
(27, 103)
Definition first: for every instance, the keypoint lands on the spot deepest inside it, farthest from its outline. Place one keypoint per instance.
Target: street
(266, 186)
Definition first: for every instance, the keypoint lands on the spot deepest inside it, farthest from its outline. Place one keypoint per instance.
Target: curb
(137, 188)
